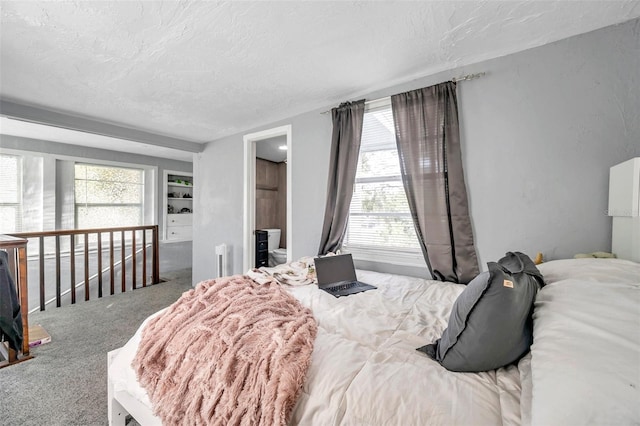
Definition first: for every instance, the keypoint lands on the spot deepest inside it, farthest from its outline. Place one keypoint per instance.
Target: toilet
(277, 255)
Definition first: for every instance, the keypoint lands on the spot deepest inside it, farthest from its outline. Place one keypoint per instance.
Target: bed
(584, 367)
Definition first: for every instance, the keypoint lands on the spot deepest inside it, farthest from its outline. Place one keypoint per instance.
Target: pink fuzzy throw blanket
(229, 352)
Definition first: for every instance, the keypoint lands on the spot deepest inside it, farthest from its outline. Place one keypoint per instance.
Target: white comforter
(585, 358)
(365, 369)
(584, 366)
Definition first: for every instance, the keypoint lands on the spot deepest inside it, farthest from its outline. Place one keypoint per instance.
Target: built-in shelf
(178, 223)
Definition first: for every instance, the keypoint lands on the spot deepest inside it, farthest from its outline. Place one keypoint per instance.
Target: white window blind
(107, 196)
(10, 193)
(379, 216)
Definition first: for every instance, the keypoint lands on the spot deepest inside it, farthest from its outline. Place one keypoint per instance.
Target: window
(10, 193)
(379, 216)
(107, 196)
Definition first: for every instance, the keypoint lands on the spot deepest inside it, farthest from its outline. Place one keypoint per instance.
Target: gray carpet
(66, 382)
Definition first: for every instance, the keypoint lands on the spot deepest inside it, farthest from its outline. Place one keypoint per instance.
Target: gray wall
(43, 198)
(540, 131)
(219, 169)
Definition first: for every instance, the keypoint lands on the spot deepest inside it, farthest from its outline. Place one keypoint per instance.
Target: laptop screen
(333, 269)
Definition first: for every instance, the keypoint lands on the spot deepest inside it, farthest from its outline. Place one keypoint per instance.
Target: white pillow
(597, 270)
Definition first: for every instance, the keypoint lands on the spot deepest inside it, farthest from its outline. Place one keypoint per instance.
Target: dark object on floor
(10, 315)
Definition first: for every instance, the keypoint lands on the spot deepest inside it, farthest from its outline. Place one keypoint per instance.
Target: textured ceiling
(200, 70)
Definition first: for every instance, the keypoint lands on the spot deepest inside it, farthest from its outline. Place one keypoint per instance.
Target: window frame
(391, 255)
(143, 188)
(19, 185)
(53, 192)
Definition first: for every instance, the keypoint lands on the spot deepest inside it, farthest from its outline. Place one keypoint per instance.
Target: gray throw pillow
(491, 321)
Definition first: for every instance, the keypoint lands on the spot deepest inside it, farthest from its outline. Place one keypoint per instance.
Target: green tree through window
(108, 196)
(379, 215)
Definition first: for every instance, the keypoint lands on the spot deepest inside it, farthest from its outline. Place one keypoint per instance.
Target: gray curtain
(427, 134)
(345, 147)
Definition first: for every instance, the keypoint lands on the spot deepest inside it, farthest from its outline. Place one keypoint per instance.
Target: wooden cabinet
(178, 213)
(266, 175)
(179, 226)
(271, 197)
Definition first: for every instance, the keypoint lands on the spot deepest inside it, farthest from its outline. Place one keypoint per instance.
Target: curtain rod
(466, 77)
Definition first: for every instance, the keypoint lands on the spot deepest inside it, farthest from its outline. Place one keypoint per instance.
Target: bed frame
(121, 404)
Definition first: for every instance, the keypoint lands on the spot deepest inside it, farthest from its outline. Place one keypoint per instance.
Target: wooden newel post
(16, 249)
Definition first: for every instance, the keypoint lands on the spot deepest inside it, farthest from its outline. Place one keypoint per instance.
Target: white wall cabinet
(178, 202)
(624, 206)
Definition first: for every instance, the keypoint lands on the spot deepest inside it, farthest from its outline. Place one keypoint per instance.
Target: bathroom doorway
(267, 171)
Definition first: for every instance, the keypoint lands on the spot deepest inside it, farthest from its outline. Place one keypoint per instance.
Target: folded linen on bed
(230, 351)
(300, 272)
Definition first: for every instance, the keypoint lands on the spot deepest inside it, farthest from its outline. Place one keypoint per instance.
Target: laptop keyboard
(344, 286)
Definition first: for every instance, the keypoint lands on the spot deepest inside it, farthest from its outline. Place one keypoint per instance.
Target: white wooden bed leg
(116, 413)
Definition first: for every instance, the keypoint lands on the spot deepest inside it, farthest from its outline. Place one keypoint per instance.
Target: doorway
(250, 142)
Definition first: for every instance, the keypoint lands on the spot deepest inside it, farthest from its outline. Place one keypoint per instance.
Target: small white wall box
(624, 207)
(221, 260)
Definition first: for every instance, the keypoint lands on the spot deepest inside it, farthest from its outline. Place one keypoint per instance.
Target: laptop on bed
(337, 275)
